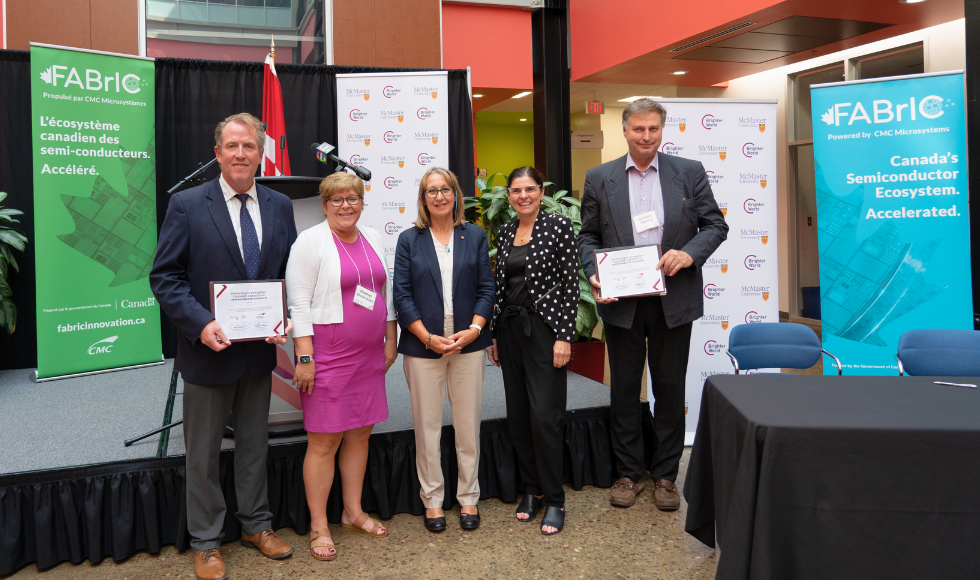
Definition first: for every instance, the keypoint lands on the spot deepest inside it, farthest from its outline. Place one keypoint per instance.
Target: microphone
(324, 154)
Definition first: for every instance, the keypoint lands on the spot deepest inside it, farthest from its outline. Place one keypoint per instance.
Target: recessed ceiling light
(631, 99)
(910, 1)
(679, 72)
(523, 119)
(477, 96)
(519, 95)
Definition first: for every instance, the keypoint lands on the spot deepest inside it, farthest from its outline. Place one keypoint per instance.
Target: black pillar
(552, 121)
(972, 13)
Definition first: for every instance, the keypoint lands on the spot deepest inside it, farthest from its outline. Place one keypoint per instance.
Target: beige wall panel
(408, 33)
(115, 26)
(62, 22)
(354, 33)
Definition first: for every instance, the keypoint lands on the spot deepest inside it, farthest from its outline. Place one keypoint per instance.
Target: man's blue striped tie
(250, 240)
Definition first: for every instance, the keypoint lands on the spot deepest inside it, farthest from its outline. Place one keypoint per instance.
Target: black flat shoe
(554, 517)
(529, 505)
(435, 525)
(469, 521)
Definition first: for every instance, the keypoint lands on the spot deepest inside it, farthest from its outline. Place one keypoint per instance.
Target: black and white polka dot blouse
(552, 265)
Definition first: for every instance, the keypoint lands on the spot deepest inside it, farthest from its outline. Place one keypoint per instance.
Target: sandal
(317, 542)
(529, 505)
(553, 517)
(358, 526)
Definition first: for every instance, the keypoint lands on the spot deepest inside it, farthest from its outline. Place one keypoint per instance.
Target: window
(905, 60)
(236, 29)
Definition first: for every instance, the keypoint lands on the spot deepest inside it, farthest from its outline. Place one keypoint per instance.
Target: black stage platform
(70, 490)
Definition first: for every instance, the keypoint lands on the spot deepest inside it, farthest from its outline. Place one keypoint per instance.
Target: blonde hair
(339, 183)
(246, 119)
(423, 220)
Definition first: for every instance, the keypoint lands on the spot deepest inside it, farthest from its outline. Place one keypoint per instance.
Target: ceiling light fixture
(519, 95)
(477, 96)
(631, 99)
(523, 119)
(910, 1)
(679, 72)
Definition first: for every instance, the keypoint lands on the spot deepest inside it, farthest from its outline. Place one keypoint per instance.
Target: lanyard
(366, 257)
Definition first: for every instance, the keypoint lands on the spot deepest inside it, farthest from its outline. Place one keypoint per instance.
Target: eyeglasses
(530, 190)
(434, 193)
(353, 200)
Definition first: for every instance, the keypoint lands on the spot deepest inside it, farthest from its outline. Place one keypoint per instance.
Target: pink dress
(349, 387)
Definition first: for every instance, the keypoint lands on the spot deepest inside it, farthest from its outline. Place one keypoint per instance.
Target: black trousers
(667, 350)
(536, 395)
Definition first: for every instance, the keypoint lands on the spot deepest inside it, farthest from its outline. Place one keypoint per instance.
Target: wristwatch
(305, 358)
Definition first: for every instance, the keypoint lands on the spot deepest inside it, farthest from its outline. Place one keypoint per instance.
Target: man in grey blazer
(679, 212)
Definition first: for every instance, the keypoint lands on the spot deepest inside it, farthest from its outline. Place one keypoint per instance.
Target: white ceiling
(581, 93)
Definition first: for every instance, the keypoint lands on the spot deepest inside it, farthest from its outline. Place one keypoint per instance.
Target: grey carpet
(84, 421)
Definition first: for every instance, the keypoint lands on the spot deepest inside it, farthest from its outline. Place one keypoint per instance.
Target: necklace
(441, 243)
(527, 233)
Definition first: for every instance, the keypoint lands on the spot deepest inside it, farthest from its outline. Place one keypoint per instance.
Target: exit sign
(595, 107)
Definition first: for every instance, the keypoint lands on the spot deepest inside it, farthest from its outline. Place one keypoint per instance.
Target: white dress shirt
(446, 272)
(235, 211)
(645, 196)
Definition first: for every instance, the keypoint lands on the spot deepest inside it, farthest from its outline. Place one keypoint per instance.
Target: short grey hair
(644, 106)
(245, 119)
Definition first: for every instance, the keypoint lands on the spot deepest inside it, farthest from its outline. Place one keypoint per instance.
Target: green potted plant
(9, 238)
(491, 209)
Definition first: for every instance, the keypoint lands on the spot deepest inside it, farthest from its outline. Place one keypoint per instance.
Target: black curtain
(191, 97)
(115, 510)
(18, 350)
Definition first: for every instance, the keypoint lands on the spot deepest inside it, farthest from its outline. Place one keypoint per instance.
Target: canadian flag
(276, 160)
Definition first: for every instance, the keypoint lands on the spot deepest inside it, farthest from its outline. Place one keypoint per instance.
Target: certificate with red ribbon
(249, 309)
(629, 272)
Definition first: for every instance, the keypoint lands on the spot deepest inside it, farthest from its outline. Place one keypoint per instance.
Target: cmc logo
(752, 262)
(357, 114)
(424, 113)
(425, 158)
(751, 149)
(711, 348)
(391, 228)
(94, 81)
(390, 91)
(103, 346)
(709, 121)
(712, 291)
(358, 160)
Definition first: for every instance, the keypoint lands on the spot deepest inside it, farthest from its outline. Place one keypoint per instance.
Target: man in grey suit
(672, 197)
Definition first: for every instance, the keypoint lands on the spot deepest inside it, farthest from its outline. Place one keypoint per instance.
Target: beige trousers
(427, 381)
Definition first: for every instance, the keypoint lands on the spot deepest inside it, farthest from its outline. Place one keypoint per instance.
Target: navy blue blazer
(197, 245)
(417, 289)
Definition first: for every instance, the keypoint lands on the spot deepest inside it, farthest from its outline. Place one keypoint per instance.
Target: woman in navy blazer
(444, 296)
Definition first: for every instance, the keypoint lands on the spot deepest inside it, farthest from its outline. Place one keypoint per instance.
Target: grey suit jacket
(692, 223)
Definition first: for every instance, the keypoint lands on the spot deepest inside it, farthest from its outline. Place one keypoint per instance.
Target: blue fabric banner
(893, 226)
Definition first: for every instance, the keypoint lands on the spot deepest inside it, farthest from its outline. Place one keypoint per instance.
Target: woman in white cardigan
(344, 333)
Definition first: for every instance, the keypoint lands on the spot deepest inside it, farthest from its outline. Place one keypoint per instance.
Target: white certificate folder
(629, 272)
(249, 309)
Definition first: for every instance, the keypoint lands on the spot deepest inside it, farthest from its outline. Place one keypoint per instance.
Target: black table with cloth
(837, 477)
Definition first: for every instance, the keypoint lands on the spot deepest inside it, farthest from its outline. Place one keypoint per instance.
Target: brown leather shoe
(666, 496)
(624, 492)
(269, 544)
(208, 565)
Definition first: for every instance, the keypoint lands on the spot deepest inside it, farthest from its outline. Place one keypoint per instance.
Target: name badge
(646, 221)
(364, 297)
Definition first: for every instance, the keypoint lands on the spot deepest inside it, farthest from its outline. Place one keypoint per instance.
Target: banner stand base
(37, 380)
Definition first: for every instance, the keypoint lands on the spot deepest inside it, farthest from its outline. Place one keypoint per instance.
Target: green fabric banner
(95, 210)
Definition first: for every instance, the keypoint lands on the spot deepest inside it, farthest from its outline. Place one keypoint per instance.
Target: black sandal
(553, 517)
(529, 505)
